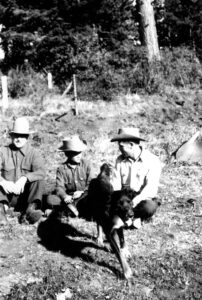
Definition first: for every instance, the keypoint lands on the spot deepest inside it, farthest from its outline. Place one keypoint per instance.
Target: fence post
(4, 92)
(75, 95)
(50, 80)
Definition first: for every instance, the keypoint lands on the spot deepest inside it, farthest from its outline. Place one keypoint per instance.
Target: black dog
(111, 210)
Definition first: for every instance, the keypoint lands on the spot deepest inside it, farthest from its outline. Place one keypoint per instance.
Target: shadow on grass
(58, 237)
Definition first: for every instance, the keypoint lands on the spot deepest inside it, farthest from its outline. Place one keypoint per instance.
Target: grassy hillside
(166, 253)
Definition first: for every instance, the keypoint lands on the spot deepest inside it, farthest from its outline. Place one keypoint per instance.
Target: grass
(166, 253)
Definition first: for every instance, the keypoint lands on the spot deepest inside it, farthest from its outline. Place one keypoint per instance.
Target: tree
(181, 23)
(148, 29)
(67, 37)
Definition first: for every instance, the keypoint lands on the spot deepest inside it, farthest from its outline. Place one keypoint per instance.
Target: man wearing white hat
(72, 177)
(22, 173)
(138, 169)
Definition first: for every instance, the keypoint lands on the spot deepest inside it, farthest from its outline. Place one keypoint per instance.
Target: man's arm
(115, 179)
(38, 168)
(60, 184)
(89, 175)
(151, 184)
(8, 186)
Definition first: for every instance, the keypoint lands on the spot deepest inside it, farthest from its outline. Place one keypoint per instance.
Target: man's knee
(146, 208)
(3, 196)
(52, 201)
(34, 191)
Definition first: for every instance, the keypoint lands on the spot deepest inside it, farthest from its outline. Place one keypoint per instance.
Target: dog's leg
(99, 239)
(124, 248)
(114, 241)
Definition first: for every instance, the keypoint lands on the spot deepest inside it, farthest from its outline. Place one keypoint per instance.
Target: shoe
(33, 216)
(33, 213)
(72, 208)
(3, 219)
(137, 223)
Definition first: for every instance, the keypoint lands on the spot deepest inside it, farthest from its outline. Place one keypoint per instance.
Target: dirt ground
(166, 252)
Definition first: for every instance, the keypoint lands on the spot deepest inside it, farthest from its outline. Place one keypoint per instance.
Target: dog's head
(106, 170)
(122, 204)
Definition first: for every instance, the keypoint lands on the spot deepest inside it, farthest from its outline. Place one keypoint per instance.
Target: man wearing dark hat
(72, 177)
(22, 175)
(138, 169)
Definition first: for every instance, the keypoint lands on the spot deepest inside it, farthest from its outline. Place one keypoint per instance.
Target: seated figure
(72, 177)
(139, 169)
(22, 175)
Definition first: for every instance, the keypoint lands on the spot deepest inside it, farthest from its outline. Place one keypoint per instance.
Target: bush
(181, 67)
(25, 81)
(108, 73)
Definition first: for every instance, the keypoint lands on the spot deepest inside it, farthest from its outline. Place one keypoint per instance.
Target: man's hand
(68, 199)
(77, 194)
(20, 185)
(8, 186)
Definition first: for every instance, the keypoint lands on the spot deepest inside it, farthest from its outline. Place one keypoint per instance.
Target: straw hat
(128, 134)
(73, 144)
(21, 126)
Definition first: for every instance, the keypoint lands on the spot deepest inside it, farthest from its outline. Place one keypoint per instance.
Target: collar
(24, 150)
(72, 166)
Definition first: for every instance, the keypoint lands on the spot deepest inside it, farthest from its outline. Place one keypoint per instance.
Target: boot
(32, 214)
(3, 219)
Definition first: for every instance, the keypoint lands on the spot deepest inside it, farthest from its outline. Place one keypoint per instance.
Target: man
(72, 177)
(22, 173)
(138, 169)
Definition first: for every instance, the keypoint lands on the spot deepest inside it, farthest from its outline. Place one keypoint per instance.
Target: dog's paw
(128, 273)
(125, 252)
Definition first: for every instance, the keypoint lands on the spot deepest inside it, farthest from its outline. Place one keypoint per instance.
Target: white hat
(21, 126)
(128, 134)
(73, 144)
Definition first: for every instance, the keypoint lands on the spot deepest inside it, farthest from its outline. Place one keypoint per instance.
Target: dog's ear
(134, 194)
(103, 166)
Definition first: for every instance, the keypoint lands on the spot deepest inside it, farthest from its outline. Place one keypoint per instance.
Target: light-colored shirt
(25, 161)
(141, 175)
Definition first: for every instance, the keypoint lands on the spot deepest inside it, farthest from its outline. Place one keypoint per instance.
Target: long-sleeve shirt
(141, 175)
(70, 179)
(25, 161)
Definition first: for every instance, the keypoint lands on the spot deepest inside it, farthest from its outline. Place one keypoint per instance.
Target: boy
(72, 177)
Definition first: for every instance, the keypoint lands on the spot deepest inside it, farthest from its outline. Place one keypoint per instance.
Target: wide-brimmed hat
(128, 134)
(21, 126)
(73, 144)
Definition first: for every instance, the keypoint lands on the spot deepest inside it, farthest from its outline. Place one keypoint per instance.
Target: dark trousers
(146, 208)
(33, 192)
(54, 202)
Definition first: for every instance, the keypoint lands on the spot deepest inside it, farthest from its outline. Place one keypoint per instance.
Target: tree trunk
(148, 29)
(199, 39)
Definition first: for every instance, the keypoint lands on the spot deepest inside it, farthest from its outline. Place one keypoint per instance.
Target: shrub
(104, 74)
(25, 81)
